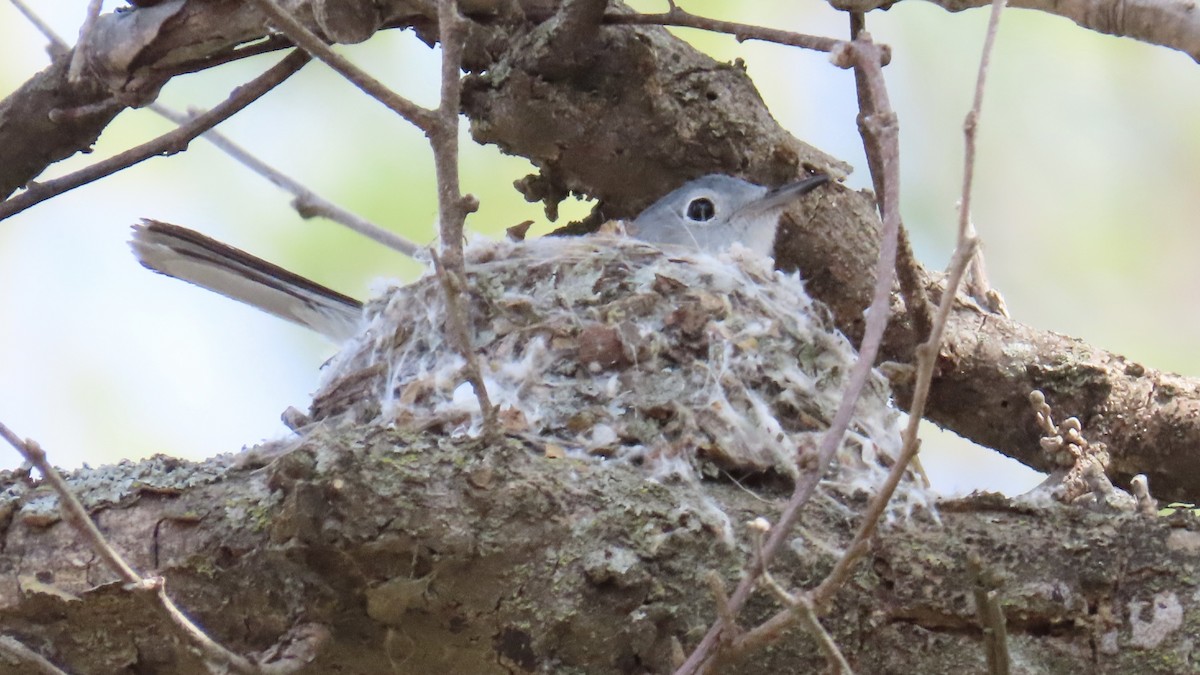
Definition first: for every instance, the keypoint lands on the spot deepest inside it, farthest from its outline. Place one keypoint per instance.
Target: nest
(687, 364)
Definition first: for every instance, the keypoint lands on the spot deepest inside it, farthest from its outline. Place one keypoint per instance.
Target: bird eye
(701, 209)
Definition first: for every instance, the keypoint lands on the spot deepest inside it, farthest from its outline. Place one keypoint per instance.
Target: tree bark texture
(624, 114)
(420, 553)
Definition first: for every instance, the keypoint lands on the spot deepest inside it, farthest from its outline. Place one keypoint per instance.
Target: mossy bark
(421, 554)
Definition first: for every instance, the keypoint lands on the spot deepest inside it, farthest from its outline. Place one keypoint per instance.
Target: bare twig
(73, 511)
(57, 46)
(453, 206)
(77, 516)
(307, 202)
(14, 648)
(972, 122)
(990, 615)
(799, 605)
(833, 655)
(908, 270)
(927, 351)
(878, 123)
(75, 70)
(267, 45)
(453, 286)
(742, 31)
(786, 597)
(311, 43)
(861, 53)
(717, 587)
(169, 143)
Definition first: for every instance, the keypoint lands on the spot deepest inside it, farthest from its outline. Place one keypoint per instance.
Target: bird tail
(188, 255)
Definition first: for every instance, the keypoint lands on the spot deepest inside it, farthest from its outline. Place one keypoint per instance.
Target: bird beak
(783, 195)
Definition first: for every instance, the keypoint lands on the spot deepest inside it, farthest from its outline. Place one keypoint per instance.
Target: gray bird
(712, 213)
(707, 214)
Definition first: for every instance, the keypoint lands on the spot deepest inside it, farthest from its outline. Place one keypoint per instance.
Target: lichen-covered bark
(624, 114)
(422, 554)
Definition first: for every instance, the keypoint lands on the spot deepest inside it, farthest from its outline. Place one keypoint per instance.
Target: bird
(712, 213)
(708, 214)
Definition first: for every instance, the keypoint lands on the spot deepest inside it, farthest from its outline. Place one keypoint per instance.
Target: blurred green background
(1086, 201)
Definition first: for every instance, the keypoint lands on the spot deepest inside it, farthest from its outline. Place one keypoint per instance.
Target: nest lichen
(604, 346)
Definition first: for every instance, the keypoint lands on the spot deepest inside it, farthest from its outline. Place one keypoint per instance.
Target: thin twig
(73, 511)
(717, 587)
(990, 615)
(453, 206)
(927, 351)
(78, 517)
(742, 31)
(453, 286)
(787, 598)
(833, 656)
(769, 631)
(307, 202)
(211, 649)
(314, 45)
(972, 121)
(14, 648)
(75, 69)
(441, 127)
(58, 46)
(861, 53)
(798, 605)
(908, 270)
(272, 43)
(169, 143)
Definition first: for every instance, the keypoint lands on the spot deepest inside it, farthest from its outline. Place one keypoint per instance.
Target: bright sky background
(1086, 202)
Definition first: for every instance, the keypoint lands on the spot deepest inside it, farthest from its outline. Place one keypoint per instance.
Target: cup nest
(604, 347)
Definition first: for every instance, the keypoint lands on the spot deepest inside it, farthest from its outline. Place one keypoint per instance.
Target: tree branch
(400, 541)
(1149, 420)
(169, 143)
(1169, 23)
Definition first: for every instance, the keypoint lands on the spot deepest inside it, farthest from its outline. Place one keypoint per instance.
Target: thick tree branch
(580, 131)
(431, 553)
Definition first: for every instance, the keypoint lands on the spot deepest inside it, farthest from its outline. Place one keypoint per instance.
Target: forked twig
(926, 352)
(879, 126)
(169, 143)
(799, 605)
(453, 206)
(883, 123)
(441, 127)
